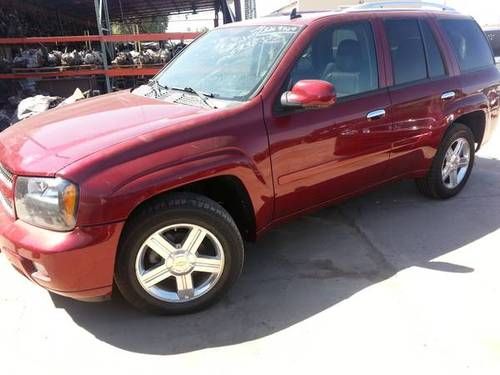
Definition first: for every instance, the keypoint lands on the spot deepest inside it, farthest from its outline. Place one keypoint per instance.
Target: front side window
(229, 63)
(468, 43)
(407, 50)
(343, 55)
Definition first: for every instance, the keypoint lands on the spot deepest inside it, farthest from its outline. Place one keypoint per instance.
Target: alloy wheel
(456, 163)
(179, 263)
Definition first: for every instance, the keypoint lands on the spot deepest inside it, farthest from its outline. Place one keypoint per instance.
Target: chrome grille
(6, 193)
(6, 177)
(6, 204)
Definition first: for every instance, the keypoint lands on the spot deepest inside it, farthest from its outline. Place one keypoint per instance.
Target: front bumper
(77, 264)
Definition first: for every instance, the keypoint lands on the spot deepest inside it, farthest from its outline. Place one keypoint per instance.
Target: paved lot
(388, 283)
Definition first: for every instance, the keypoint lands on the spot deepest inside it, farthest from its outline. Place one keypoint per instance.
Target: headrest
(349, 56)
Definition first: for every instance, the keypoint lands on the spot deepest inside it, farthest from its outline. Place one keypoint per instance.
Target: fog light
(40, 272)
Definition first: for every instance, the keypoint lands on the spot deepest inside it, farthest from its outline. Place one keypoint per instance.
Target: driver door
(325, 154)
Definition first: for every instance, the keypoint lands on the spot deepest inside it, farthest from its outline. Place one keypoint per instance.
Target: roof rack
(401, 5)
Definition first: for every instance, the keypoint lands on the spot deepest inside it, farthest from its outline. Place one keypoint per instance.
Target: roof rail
(401, 5)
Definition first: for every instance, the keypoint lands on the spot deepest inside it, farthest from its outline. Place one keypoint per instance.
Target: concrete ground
(388, 283)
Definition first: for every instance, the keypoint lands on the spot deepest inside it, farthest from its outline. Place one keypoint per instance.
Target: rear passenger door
(421, 89)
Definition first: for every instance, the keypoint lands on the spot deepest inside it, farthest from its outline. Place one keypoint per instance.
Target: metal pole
(98, 12)
(216, 13)
(111, 46)
(237, 10)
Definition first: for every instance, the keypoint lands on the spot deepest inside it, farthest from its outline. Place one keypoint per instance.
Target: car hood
(45, 143)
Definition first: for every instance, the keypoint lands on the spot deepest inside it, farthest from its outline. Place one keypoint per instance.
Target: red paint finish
(327, 153)
(78, 261)
(311, 94)
(122, 149)
(418, 120)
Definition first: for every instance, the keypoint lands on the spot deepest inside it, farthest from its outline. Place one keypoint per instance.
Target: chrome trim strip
(6, 205)
(401, 5)
(6, 177)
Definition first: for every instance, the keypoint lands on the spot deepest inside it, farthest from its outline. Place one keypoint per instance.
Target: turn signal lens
(69, 204)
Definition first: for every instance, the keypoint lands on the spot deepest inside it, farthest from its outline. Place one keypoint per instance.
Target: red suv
(154, 190)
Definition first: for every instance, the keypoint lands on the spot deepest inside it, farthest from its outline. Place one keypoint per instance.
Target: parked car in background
(154, 191)
(493, 35)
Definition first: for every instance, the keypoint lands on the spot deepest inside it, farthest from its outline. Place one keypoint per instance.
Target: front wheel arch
(227, 190)
(176, 209)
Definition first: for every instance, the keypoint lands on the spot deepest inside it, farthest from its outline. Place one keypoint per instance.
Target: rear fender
(464, 106)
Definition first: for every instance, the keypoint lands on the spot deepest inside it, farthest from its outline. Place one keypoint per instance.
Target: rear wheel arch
(433, 183)
(476, 122)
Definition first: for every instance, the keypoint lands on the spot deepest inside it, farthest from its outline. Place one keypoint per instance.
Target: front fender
(103, 202)
(117, 203)
(114, 182)
(229, 162)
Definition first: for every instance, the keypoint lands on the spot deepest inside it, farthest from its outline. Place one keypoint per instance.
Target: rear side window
(434, 59)
(407, 50)
(469, 44)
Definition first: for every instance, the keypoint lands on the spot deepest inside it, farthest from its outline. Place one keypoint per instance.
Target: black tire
(432, 184)
(178, 208)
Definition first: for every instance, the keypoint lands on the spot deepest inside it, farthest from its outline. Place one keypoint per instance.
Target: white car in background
(493, 34)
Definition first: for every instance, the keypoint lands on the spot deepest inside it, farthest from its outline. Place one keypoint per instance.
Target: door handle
(448, 95)
(375, 115)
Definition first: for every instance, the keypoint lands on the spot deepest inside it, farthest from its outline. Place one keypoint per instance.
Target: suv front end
(41, 241)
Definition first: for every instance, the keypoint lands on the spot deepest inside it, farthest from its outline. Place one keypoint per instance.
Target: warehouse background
(52, 47)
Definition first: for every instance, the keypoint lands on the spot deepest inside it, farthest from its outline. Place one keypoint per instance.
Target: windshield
(228, 63)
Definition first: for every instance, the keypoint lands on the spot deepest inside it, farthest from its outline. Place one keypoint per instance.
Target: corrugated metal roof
(128, 9)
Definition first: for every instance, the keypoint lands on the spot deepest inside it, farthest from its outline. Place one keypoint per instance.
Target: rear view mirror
(310, 94)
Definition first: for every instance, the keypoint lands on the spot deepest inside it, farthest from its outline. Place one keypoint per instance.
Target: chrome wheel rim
(179, 263)
(456, 163)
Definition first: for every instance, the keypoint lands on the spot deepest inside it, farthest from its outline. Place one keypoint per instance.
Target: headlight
(47, 202)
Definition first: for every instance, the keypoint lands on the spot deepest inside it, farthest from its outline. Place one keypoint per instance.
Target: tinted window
(407, 50)
(469, 43)
(343, 55)
(434, 59)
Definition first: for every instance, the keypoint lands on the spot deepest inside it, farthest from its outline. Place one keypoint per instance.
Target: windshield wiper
(203, 96)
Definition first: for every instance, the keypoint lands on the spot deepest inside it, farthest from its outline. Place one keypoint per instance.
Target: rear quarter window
(469, 44)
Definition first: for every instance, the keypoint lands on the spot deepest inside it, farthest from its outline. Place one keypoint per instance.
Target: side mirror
(310, 94)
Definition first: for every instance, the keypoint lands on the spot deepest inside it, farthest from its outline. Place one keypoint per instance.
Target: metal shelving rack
(106, 70)
(106, 11)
